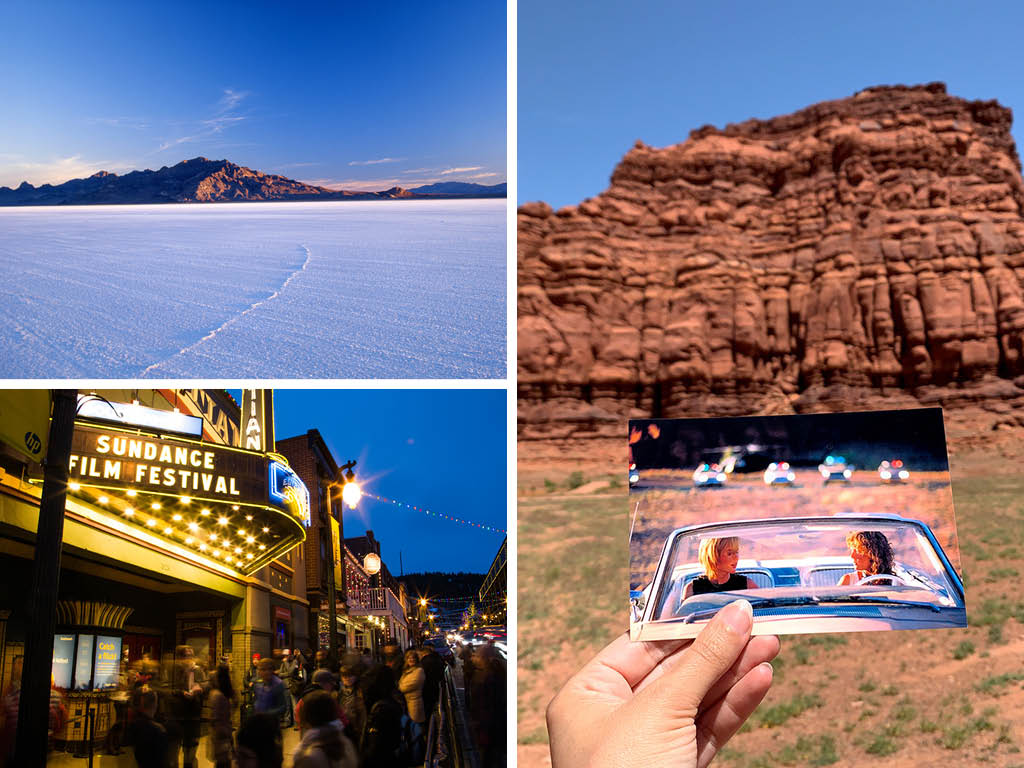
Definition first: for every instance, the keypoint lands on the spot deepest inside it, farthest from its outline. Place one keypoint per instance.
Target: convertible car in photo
(806, 579)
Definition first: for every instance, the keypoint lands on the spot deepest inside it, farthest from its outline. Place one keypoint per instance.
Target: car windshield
(803, 562)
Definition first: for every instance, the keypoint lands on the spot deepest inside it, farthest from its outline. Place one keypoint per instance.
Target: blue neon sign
(288, 490)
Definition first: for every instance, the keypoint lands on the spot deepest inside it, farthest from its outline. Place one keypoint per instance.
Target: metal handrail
(444, 747)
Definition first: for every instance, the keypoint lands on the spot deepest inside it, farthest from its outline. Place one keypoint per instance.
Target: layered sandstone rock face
(865, 252)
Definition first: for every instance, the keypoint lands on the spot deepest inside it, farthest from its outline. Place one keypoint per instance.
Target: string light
(430, 513)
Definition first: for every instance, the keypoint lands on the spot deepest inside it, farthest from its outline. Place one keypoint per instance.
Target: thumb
(683, 686)
(658, 727)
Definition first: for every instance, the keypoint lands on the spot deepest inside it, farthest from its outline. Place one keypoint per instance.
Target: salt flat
(376, 289)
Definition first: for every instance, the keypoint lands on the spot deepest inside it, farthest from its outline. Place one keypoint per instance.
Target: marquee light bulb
(202, 547)
(189, 540)
(222, 520)
(266, 530)
(102, 499)
(186, 499)
(263, 546)
(248, 555)
(151, 522)
(193, 526)
(132, 492)
(213, 537)
(129, 511)
(155, 505)
(74, 486)
(168, 530)
(250, 539)
(234, 507)
(249, 518)
(176, 518)
(204, 512)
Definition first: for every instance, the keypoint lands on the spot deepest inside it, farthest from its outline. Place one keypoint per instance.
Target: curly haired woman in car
(872, 554)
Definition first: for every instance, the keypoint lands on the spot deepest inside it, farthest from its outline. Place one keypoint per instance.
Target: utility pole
(34, 704)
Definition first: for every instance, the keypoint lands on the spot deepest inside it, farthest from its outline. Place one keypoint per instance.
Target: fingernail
(738, 615)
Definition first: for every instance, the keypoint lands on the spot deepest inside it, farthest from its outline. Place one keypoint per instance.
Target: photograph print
(839, 522)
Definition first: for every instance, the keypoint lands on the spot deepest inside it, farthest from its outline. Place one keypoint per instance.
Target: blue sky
(444, 450)
(592, 83)
(350, 95)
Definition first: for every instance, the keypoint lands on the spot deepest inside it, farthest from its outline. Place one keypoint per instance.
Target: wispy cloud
(355, 185)
(482, 175)
(378, 161)
(119, 122)
(466, 169)
(57, 170)
(231, 99)
(222, 119)
(421, 170)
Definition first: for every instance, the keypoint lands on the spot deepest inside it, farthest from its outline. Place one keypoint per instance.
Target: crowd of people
(350, 712)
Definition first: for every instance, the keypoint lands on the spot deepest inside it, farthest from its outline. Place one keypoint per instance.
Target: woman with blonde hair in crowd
(411, 685)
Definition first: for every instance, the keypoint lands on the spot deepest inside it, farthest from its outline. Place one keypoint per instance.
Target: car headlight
(904, 474)
(790, 476)
(886, 474)
(847, 473)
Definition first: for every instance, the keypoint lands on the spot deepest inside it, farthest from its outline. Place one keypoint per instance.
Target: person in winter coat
(383, 721)
(148, 737)
(259, 742)
(269, 691)
(352, 702)
(222, 701)
(324, 744)
(433, 668)
(411, 685)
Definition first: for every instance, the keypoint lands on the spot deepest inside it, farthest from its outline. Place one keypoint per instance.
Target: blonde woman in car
(719, 558)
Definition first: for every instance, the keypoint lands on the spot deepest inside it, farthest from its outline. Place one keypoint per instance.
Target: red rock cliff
(859, 253)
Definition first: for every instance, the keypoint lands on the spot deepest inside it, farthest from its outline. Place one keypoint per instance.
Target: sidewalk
(126, 759)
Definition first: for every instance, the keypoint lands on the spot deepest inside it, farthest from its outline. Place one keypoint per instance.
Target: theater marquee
(233, 506)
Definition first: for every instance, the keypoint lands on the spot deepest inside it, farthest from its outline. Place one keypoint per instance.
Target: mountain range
(200, 180)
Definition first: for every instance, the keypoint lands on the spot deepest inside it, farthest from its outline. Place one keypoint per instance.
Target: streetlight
(350, 494)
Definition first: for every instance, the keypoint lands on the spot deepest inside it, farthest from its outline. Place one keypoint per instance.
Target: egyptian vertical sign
(258, 420)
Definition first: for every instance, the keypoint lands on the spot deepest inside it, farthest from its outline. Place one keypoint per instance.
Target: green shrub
(962, 651)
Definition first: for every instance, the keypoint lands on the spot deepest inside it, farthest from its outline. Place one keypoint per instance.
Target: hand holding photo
(826, 548)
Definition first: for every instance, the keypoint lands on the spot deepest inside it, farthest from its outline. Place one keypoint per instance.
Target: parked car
(709, 476)
(797, 564)
(893, 472)
(779, 473)
(835, 470)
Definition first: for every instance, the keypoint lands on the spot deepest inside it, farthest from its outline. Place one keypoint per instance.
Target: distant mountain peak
(197, 180)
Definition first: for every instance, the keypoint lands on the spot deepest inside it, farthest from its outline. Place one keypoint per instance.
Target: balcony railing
(375, 599)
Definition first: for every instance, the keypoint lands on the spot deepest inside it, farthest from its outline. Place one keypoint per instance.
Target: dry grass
(949, 697)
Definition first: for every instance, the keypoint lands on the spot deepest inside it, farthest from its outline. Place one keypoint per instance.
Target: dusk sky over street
(354, 96)
(443, 450)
